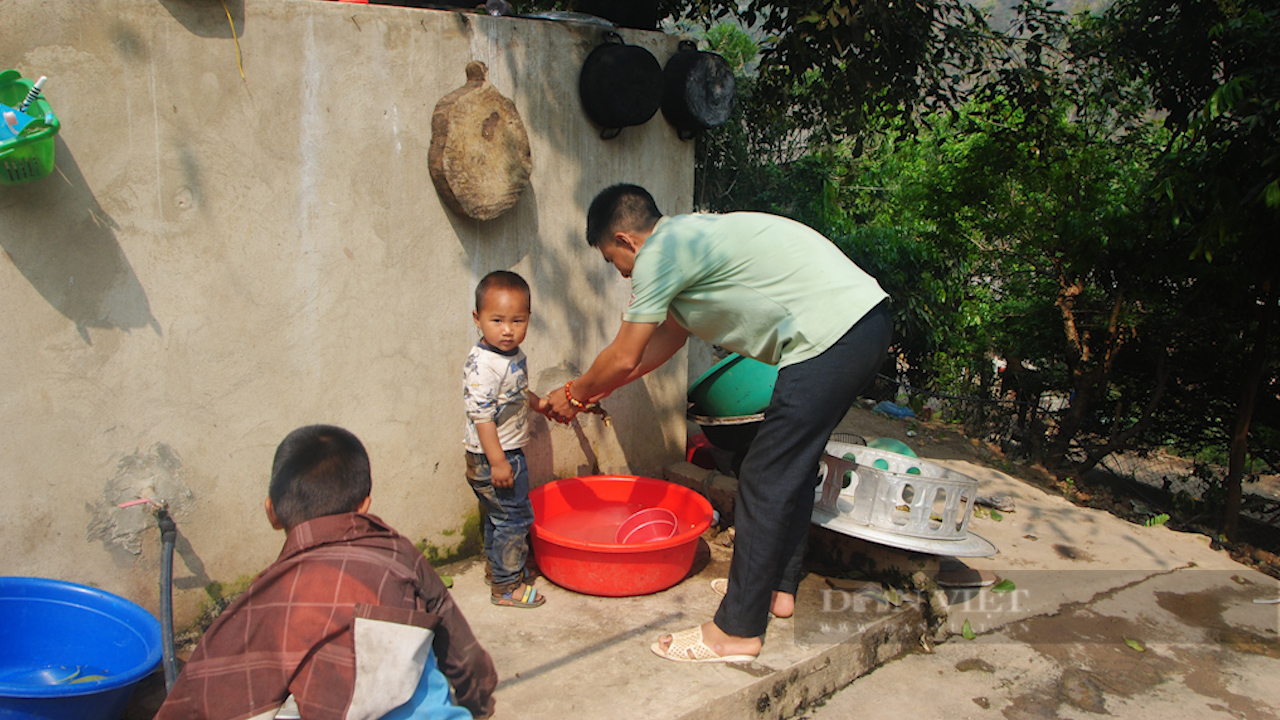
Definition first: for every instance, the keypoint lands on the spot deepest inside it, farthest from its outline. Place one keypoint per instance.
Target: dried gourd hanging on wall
(479, 158)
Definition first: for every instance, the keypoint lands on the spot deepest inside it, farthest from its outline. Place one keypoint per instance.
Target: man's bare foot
(783, 605)
(721, 642)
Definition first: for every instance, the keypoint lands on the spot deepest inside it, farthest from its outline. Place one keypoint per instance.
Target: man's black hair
(318, 470)
(626, 208)
(502, 280)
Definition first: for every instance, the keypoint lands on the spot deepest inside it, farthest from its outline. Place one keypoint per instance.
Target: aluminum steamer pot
(620, 85)
(698, 90)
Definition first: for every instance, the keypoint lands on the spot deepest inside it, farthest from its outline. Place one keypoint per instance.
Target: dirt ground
(938, 440)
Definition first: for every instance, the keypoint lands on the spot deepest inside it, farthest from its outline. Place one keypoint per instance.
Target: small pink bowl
(653, 524)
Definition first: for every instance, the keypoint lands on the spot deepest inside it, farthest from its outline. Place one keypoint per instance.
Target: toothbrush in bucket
(35, 93)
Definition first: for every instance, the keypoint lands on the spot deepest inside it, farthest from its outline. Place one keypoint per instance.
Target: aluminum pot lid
(715, 421)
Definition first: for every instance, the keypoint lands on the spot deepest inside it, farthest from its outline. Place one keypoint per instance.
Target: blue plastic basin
(71, 652)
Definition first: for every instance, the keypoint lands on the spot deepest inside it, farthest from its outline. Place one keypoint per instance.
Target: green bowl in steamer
(733, 387)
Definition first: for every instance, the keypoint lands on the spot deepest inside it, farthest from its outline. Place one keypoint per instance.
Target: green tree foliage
(1215, 71)
(1093, 198)
(1096, 203)
(835, 65)
(1037, 205)
(774, 166)
(734, 45)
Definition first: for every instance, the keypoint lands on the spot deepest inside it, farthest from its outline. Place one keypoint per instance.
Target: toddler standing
(497, 397)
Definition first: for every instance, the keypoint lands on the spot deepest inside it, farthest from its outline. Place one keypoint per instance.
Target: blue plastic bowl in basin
(70, 652)
(733, 387)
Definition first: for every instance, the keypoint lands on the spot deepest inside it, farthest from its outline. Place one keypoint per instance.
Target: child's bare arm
(537, 404)
(500, 470)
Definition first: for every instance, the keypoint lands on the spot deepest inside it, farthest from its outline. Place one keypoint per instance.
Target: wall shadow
(198, 579)
(552, 112)
(62, 241)
(207, 18)
(500, 243)
(637, 429)
(539, 451)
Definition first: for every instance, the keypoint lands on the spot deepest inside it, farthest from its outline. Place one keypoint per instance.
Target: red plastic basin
(575, 526)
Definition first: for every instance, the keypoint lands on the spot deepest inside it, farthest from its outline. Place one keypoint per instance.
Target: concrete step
(589, 657)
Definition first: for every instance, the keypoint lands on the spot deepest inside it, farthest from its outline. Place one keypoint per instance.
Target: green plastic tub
(734, 387)
(891, 445)
(30, 155)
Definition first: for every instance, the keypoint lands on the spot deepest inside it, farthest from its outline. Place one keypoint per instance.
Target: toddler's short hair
(501, 280)
(318, 470)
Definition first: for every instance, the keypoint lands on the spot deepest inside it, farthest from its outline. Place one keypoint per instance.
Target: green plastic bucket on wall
(29, 156)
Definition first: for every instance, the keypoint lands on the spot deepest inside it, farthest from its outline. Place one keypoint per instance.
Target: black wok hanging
(698, 90)
(620, 85)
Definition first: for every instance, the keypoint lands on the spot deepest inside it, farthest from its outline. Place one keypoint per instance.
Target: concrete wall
(218, 260)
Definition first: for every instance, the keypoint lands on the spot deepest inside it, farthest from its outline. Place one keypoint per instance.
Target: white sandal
(687, 646)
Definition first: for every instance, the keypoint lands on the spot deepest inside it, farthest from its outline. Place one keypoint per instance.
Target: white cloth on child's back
(494, 386)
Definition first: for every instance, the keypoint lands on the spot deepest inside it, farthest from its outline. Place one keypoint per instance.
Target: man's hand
(559, 408)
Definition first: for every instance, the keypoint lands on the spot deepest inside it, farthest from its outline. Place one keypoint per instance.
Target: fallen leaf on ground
(1004, 586)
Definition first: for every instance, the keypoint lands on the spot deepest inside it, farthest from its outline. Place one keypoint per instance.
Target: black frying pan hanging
(697, 90)
(620, 85)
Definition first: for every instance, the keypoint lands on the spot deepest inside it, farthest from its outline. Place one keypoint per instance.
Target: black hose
(168, 536)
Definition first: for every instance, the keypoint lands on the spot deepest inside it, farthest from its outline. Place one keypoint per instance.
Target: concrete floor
(589, 657)
(1090, 590)
(1106, 618)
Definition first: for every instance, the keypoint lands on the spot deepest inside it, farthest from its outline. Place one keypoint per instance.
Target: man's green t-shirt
(760, 285)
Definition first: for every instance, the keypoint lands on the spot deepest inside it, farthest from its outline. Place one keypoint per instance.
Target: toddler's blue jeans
(507, 515)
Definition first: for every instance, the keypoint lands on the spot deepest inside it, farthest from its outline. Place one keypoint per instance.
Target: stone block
(720, 489)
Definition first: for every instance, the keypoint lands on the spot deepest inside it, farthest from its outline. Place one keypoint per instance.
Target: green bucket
(30, 155)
